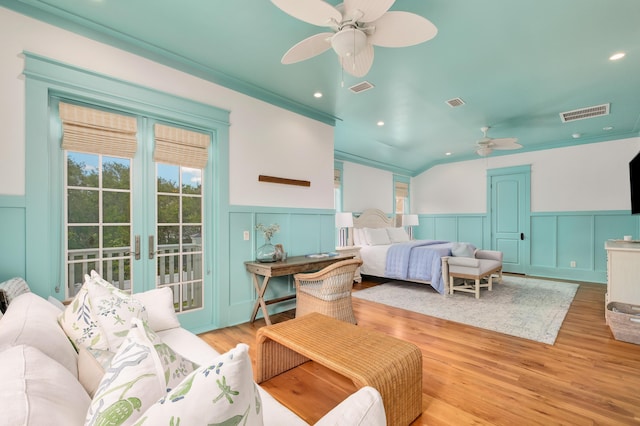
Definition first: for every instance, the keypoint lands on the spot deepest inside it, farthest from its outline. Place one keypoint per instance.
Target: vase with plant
(268, 252)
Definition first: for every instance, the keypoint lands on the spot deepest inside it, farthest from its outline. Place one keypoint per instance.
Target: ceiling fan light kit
(357, 26)
(349, 42)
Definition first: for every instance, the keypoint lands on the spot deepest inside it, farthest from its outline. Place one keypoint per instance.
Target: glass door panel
(179, 264)
(98, 219)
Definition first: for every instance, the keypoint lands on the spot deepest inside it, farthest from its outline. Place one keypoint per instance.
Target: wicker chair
(327, 291)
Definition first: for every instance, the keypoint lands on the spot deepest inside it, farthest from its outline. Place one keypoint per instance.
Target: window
(401, 197)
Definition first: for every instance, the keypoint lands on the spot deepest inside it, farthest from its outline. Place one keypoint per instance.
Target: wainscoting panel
(13, 237)
(301, 232)
(544, 253)
(556, 239)
(575, 241)
(465, 228)
(560, 238)
(446, 228)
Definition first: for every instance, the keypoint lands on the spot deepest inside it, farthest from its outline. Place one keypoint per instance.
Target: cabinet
(355, 251)
(623, 272)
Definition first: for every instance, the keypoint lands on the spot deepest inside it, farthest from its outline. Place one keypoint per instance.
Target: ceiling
(516, 64)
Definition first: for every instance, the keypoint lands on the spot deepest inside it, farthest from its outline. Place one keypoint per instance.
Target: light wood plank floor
(478, 377)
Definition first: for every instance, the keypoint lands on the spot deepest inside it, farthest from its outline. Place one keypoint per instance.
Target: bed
(387, 252)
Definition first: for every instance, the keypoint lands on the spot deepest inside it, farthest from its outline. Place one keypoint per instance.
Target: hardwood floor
(478, 377)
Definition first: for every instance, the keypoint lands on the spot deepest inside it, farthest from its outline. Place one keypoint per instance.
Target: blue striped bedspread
(418, 260)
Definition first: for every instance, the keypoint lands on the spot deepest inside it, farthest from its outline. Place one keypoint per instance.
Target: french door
(137, 221)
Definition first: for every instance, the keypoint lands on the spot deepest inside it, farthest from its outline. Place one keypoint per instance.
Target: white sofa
(44, 383)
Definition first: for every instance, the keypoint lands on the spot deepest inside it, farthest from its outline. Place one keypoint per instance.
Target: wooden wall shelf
(284, 181)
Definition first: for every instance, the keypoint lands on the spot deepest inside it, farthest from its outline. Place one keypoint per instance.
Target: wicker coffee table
(367, 357)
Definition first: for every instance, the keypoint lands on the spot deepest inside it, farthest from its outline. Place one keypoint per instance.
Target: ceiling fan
(486, 145)
(357, 26)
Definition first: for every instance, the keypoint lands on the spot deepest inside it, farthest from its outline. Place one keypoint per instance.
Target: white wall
(366, 188)
(578, 178)
(263, 139)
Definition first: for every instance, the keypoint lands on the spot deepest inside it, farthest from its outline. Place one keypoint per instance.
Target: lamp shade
(410, 220)
(344, 220)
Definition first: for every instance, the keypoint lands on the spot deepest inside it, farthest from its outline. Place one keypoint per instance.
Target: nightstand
(355, 251)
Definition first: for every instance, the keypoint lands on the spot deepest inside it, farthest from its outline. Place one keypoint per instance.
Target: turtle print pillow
(133, 382)
(222, 393)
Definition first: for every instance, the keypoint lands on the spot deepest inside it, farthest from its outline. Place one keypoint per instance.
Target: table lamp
(344, 221)
(410, 220)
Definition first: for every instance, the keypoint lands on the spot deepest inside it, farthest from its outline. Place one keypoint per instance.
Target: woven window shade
(182, 147)
(336, 178)
(402, 190)
(98, 132)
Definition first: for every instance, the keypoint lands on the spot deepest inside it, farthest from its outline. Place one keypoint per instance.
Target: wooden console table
(292, 265)
(367, 357)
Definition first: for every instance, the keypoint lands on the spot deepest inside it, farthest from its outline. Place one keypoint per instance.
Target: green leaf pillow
(221, 393)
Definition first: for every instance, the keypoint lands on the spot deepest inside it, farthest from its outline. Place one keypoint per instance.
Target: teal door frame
(523, 215)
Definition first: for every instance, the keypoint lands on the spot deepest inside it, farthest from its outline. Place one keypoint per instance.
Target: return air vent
(361, 87)
(582, 113)
(455, 102)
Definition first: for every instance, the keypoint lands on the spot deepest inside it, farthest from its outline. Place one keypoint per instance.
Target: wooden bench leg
(477, 288)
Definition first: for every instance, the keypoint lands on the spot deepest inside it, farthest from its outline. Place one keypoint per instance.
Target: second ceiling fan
(357, 26)
(486, 145)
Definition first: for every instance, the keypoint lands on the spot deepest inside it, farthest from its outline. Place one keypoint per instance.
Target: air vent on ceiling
(582, 113)
(455, 102)
(361, 87)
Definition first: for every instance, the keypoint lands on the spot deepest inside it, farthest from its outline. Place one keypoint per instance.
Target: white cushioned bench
(474, 272)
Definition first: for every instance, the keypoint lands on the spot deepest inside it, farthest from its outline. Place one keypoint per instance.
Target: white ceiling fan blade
(400, 29)
(366, 10)
(308, 48)
(359, 65)
(315, 12)
(505, 143)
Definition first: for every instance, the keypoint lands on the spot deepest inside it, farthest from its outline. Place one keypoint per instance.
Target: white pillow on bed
(398, 235)
(358, 237)
(377, 236)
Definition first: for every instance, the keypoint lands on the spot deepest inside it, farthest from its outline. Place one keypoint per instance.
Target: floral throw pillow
(222, 392)
(80, 323)
(133, 382)
(175, 367)
(113, 309)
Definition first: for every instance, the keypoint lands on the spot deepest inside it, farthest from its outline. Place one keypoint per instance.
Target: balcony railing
(116, 268)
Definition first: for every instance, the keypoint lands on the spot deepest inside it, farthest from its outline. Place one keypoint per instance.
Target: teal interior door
(509, 216)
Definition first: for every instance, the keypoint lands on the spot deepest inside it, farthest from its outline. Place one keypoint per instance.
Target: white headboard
(373, 218)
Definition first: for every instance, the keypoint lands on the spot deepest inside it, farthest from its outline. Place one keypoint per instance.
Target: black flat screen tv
(634, 178)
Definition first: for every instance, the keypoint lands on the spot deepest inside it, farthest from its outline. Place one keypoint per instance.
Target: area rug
(525, 307)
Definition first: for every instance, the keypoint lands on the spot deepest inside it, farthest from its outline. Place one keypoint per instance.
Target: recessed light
(380, 123)
(317, 95)
(616, 56)
(608, 128)
(447, 154)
